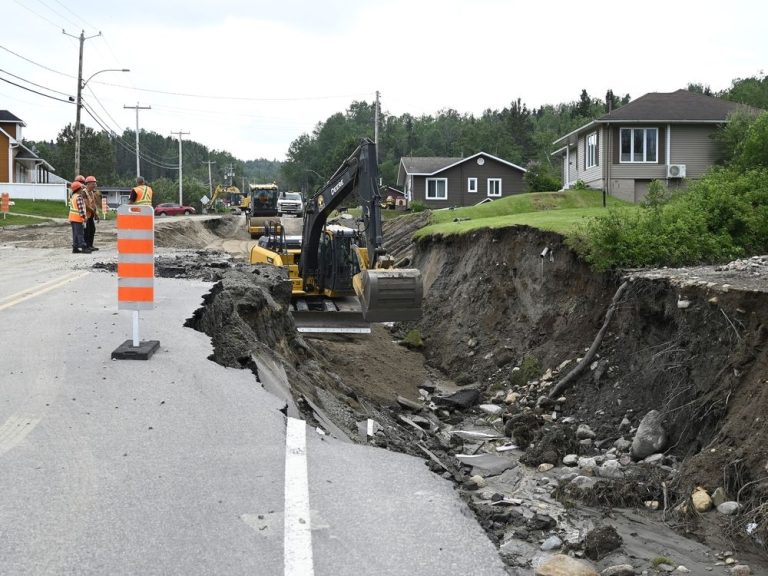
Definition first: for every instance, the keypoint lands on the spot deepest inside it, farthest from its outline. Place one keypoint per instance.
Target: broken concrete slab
(489, 464)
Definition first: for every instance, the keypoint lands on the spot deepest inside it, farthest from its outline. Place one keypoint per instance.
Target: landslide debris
(504, 321)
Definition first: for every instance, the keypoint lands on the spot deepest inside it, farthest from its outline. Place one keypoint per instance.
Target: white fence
(35, 191)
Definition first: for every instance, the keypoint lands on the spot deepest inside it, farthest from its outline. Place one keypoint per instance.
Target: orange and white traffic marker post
(5, 203)
(104, 207)
(135, 274)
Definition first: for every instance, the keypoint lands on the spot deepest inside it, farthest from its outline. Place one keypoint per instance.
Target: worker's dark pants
(78, 237)
(90, 232)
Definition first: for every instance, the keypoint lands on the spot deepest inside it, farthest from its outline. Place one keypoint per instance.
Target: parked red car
(171, 209)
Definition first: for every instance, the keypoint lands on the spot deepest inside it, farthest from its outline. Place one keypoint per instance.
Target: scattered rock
(545, 467)
(729, 508)
(741, 570)
(650, 436)
(552, 543)
(701, 500)
(461, 400)
(601, 541)
(622, 444)
(611, 469)
(562, 565)
(584, 431)
(492, 409)
(479, 481)
(654, 459)
(719, 496)
(571, 460)
(619, 570)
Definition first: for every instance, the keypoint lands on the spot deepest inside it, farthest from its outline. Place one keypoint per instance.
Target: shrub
(417, 206)
(538, 178)
(720, 217)
(529, 369)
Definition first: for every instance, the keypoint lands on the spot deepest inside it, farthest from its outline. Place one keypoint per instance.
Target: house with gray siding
(659, 136)
(445, 182)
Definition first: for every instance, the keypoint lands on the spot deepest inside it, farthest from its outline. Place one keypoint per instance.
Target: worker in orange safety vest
(92, 202)
(142, 193)
(77, 218)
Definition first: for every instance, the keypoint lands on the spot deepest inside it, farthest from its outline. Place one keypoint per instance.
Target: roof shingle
(679, 106)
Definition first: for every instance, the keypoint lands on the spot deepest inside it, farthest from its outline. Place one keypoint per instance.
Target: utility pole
(180, 133)
(376, 127)
(82, 38)
(137, 108)
(210, 182)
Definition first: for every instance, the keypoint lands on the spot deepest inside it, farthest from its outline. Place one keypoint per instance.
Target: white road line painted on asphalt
(15, 430)
(297, 539)
(23, 295)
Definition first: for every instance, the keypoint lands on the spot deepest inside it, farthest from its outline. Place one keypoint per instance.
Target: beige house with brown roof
(659, 136)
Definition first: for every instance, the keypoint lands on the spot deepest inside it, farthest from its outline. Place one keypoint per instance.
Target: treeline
(112, 159)
(516, 133)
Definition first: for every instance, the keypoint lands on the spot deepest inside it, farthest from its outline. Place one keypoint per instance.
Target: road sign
(135, 273)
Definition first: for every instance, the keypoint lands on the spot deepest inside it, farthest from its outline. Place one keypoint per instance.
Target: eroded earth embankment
(507, 314)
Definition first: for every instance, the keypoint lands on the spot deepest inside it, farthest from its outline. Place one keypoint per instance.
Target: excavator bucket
(389, 295)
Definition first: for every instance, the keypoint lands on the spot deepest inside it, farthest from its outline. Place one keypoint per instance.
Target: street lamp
(80, 86)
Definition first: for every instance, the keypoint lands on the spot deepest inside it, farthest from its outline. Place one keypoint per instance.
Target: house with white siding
(23, 174)
(659, 136)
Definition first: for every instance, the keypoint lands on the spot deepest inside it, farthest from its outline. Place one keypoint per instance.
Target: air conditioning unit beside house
(675, 170)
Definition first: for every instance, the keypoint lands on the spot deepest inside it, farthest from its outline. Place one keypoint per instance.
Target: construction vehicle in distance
(231, 195)
(262, 208)
(331, 264)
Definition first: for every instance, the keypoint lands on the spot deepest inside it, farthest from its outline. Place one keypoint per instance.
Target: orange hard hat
(79, 178)
(90, 179)
(76, 185)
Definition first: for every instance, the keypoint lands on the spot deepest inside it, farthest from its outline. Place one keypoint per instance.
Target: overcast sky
(250, 76)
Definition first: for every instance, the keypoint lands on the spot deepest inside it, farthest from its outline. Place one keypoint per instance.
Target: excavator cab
(337, 262)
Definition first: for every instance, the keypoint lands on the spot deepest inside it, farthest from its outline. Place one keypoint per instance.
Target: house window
(591, 150)
(471, 184)
(494, 186)
(639, 144)
(437, 189)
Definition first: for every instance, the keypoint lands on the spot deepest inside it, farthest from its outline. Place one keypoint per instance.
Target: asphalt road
(179, 466)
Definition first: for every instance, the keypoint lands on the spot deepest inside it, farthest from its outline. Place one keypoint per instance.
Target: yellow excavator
(231, 193)
(341, 277)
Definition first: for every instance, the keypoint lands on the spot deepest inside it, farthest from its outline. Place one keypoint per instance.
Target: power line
(35, 63)
(79, 18)
(38, 14)
(119, 140)
(239, 98)
(57, 14)
(36, 92)
(34, 84)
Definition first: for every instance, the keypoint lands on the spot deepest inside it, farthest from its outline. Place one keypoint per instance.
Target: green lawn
(46, 208)
(556, 211)
(41, 208)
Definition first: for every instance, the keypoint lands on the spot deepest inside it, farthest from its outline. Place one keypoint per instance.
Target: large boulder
(650, 436)
(562, 565)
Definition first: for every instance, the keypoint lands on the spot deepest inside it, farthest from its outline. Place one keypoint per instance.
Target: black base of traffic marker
(127, 351)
